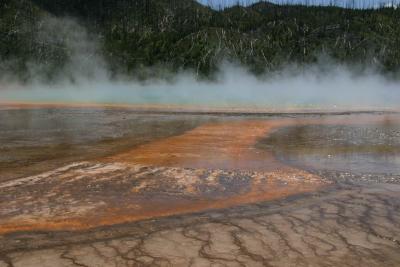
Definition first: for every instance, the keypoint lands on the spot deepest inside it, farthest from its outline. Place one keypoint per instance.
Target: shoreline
(199, 110)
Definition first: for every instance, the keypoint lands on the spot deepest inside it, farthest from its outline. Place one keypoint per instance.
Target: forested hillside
(131, 35)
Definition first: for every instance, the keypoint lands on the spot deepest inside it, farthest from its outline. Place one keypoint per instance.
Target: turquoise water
(235, 88)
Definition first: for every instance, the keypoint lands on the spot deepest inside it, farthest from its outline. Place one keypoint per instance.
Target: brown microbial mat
(116, 187)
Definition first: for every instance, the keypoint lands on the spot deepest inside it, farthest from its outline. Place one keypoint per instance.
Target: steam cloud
(85, 79)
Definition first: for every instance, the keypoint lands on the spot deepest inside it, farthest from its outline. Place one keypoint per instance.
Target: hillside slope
(181, 34)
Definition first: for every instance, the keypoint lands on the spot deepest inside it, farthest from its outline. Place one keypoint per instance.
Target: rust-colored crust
(165, 177)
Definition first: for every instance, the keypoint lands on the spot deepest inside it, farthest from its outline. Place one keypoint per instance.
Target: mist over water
(235, 87)
(86, 79)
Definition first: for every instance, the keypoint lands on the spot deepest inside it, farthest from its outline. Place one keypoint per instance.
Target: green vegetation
(182, 34)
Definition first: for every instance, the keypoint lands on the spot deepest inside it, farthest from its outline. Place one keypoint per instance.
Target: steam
(85, 79)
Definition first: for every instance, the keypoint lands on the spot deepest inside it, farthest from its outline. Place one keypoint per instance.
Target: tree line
(182, 34)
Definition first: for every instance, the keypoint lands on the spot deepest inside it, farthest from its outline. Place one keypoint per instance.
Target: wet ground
(38, 140)
(348, 226)
(372, 147)
(113, 187)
